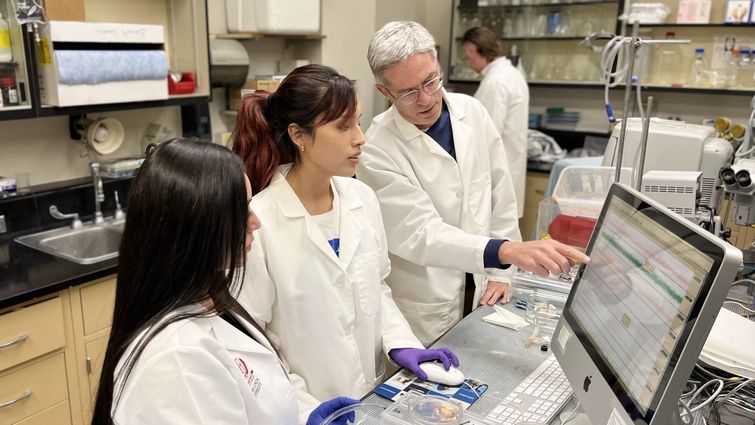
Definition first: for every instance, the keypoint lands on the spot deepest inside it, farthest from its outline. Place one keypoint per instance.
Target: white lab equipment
(674, 146)
(438, 222)
(738, 180)
(192, 358)
(305, 296)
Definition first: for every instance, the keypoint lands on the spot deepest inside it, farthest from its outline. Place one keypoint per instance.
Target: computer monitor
(639, 313)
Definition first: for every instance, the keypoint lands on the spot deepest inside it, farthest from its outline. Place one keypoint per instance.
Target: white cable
(612, 79)
(710, 399)
(737, 388)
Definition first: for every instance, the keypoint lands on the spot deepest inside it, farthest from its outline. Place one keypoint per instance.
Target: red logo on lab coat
(248, 373)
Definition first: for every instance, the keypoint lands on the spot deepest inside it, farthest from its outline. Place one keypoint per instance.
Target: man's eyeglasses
(412, 96)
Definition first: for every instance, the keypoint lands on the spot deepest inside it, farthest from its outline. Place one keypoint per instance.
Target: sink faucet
(99, 193)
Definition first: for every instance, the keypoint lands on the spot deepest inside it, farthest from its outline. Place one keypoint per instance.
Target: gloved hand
(326, 408)
(410, 358)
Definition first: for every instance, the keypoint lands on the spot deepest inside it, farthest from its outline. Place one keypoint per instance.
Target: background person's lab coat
(331, 318)
(439, 213)
(505, 94)
(205, 371)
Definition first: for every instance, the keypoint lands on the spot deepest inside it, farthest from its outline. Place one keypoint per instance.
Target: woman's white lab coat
(330, 318)
(439, 213)
(504, 93)
(205, 371)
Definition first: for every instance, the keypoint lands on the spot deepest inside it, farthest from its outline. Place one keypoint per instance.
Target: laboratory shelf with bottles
(718, 58)
(547, 36)
(15, 101)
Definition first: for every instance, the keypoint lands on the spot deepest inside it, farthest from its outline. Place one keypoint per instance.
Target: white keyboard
(537, 398)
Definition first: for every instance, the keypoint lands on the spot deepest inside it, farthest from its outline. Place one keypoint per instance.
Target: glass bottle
(668, 63)
(697, 68)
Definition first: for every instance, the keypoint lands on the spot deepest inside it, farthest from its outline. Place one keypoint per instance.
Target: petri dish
(434, 410)
(363, 414)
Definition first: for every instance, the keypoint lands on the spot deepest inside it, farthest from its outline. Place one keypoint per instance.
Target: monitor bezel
(674, 224)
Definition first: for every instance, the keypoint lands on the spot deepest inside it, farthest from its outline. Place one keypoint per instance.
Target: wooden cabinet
(36, 350)
(536, 183)
(92, 307)
(51, 354)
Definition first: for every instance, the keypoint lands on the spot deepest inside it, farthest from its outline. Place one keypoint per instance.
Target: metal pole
(644, 142)
(627, 96)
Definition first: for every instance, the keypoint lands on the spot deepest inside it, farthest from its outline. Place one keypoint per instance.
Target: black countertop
(26, 273)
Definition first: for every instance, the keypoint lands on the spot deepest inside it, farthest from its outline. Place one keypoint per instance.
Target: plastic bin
(288, 16)
(581, 190)
(648, 13)
(241, 15)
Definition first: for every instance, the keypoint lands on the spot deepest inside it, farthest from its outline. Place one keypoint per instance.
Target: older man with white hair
(437, 164)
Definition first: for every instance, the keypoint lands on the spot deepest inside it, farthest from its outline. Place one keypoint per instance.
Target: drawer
(30, 332)
(60, 414)
(97, 303)
(45, 379)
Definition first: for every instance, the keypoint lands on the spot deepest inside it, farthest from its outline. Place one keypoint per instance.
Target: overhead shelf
(549, 4)
(720, 25)
(259, 35)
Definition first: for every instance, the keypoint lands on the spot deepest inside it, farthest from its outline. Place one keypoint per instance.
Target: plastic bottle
(697, 68)
(744, 69)
(8, 91)
(731, 69)
(6, 53)
(668, 63)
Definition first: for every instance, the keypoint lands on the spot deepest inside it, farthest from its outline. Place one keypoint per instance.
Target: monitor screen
(633, 306)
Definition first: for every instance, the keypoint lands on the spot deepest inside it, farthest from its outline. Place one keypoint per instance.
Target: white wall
(42, 146)
(349, 25)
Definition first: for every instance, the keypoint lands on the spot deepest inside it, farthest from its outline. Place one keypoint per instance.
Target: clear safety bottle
(744, 69)
(6, 53)
(668, 63)
(697, 68)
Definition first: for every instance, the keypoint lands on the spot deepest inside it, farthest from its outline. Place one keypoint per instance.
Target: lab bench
(488, 353)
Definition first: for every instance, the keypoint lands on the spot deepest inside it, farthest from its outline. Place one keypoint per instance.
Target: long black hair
(310, 96)
(184, 241)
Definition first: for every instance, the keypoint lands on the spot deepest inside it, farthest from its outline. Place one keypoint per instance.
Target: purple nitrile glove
(410, 358)
(327, 407)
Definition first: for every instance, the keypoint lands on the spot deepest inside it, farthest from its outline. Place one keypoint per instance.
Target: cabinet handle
(16, 341)
(26, 394)
(540, 192)
(89, 365)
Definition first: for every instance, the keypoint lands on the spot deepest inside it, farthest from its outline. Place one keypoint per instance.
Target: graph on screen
(636, 295)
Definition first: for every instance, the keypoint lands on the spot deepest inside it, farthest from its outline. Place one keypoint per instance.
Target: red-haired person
(316, 280)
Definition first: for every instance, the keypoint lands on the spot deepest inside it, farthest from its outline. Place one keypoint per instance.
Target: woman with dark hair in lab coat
(182, 350)
(318, 265)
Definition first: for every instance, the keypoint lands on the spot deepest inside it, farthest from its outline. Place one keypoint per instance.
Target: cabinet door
(97, 303)
(536, 184)
(95, 355)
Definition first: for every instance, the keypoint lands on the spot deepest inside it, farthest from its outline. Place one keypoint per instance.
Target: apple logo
(586, 383)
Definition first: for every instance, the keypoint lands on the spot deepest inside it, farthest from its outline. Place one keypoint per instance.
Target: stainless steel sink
(89, 244)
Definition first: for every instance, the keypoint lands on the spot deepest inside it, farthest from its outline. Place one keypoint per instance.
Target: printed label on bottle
(4, 39)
